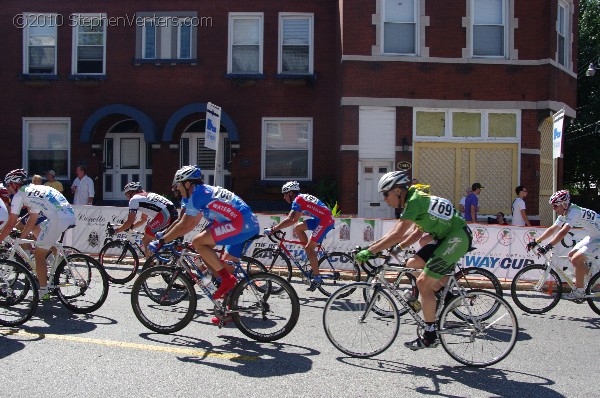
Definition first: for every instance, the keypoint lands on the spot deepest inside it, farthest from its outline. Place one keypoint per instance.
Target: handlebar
(276, 236)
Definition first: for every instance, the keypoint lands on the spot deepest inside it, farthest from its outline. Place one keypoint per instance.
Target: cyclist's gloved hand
(364, 255)
(268, 231)
(531, 245)
(544, 249)
(110, 230)
(155, 245)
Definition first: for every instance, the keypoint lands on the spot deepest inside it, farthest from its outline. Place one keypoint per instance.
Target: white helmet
(290, 186)
(132, 186)
(562, 197)
(391, 179)
(187, 173)
(17, 176)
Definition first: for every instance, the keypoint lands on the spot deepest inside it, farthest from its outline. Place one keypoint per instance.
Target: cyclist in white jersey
(160, 210)
(37, 198)
(570, 215)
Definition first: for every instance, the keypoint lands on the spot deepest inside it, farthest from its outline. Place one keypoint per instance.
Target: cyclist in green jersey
(435, 216)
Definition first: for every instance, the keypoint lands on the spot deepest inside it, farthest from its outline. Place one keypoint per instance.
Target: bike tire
(82, 284)
(337, 269)
(154, 261)
(476, 341)
(265, 307)
(400, 281)
(275, 262)
(172, 312)
(593, 287)
(349, 332)
(120, 261)
(19, 295)
(472, 278)
(531, 300)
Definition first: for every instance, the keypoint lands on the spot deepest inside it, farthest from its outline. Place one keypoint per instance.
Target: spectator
(36, 179)
(519, 217)
(472, 203)
(498, 220)
(51, 175)
(461, 204)
(414, 181)
(82, 188)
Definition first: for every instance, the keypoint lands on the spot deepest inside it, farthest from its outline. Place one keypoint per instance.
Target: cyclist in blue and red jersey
(320, 223)
(232, 223)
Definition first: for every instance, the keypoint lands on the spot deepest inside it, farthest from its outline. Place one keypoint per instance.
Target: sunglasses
(386, 193)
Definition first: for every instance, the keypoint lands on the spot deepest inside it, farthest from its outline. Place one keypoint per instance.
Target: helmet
(4, 194)
(17, 176)
(391, 179)
(290, 186)
(562, 197)
(132, 186)
(187, 173)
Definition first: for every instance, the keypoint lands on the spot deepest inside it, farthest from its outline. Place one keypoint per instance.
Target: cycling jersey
(322, 220)
(577, 216)
(3, 213)
(151, 204)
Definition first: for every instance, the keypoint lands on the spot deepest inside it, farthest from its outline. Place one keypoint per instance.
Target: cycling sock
(430, 333)
(224, 274)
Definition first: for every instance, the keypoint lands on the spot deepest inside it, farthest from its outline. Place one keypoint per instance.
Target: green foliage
(327, 190)
(335, 210)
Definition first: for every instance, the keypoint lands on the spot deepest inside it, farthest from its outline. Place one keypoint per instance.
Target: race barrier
(497, 248)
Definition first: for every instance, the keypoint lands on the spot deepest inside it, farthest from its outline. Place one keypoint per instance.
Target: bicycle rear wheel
(593, 287)
(274, 262)
(475, 341)
(352, 325)
(81, 283)
(18, 294)
(265, 307)
(163, 299)
(471, 278)
(400, 281)
(337, 269)
(536, 290)
(120, 261)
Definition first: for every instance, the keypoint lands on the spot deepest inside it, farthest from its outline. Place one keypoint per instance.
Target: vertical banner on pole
(557, 133)
(213, 123)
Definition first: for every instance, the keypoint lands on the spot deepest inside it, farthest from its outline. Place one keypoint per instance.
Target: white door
(193, 151)
(124, 161)
(371, 203)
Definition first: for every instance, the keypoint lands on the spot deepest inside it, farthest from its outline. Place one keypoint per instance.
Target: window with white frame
(489, 27)
(563, 33)
(46, 145)
(287, 148)
(39, 44)
(245, 43)
(296, 43)
(400, 27)
(466, 124)
(167, 36)
(89, 44)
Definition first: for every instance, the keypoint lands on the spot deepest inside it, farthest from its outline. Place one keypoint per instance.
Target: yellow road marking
(136, 346)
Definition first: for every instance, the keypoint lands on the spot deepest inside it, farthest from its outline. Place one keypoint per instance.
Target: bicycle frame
(132, 236)
(564, 278)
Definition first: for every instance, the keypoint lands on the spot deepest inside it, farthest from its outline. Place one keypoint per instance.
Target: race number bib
(441, 208)
(222, 195)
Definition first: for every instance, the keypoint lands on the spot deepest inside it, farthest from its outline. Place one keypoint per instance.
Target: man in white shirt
(519, 217)
(82, 188)
(461, 204)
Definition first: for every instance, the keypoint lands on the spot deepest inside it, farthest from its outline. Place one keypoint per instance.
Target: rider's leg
(578, 260)
(204, 244)
(41, 269)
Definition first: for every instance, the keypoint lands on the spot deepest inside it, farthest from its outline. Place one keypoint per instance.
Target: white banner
(213, 125)
(557, 133)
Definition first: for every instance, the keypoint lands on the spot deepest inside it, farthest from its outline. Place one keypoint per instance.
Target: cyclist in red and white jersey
(570, 215)
(159, 209)
(320, 224)
(4, 204)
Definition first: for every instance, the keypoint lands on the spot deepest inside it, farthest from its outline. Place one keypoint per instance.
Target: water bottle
(207, 283)
(412, 302)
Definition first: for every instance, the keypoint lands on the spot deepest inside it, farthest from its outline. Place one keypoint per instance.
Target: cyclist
(232, 223)
(435, 216)
(570, 215)
(58, 212)
(149, 204)
(4, 204)
(320, 224)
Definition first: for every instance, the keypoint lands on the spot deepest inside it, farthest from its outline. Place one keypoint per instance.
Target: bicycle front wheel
(337, 269)
(475, 341)
(593, 287)
(535, 289)
(354, 327)
(18, 294)
(120, 261)
(81, 283)
(163, 299)
(265, 307)
(275, 262)
(400, 281)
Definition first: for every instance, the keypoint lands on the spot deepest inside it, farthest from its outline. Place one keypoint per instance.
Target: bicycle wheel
(265, 307)
(476, 278)
(593, 287)
(169, 261)
(536, 290)
(81, 283)
(353, 327)
(18, 294)
(474, 341)
(400, 281)
(175, 307)
(275, 262)
(337, 269)
(252, 265)
(120, 261)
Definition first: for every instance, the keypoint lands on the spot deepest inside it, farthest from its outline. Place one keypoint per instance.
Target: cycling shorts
(446, 252)
(160, 222)
(233, 234)
(319, 229)
(51, 230)
(588, 246)
(39, 220)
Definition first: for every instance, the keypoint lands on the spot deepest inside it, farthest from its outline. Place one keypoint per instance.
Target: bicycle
(538, 288)
(473, 324)
(119, 256)
(336, 268)
(77, 279)
(263, 306)
(19, 294)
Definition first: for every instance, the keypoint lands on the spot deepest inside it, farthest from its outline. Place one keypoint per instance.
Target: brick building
(309, 90)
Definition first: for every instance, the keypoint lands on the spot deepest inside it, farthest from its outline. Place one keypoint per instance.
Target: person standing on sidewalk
(82, 187)
(472, 203)
(519, 217)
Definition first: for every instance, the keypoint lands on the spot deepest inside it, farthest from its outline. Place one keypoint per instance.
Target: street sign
(403, 166)
(213, 123)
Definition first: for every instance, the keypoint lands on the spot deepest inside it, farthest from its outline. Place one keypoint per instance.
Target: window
(46, 145)
(184, 38)
(400, 27)
(287, 149)
(89, 39)
(39, 44)
(245, 43)
(149, 39)
(563, 36)
(168, 36)
(295, 44)
(489, 28)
